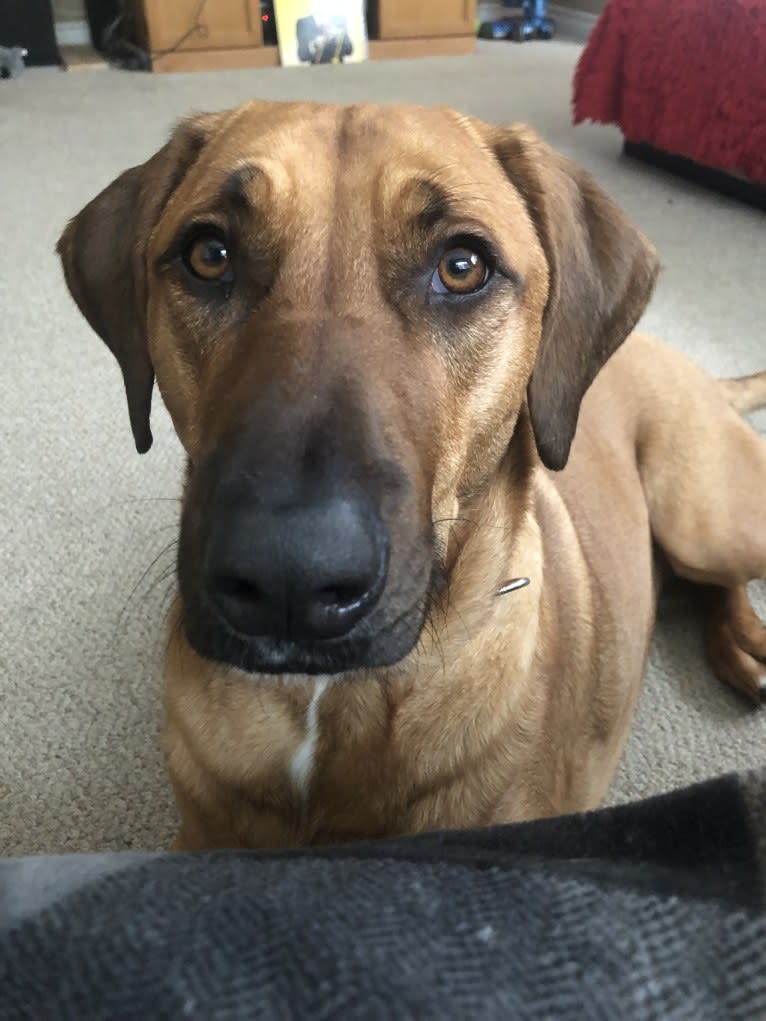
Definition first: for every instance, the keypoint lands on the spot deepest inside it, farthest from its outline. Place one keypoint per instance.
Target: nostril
(308, 574)
(240, 589)
(341, 596)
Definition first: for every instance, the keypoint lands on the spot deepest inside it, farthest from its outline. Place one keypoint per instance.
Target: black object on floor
(101, 15)
(718, 180)
(651, 910)
(29, 24)
(115, 33)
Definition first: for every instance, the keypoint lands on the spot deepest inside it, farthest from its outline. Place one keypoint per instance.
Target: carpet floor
(87, 524)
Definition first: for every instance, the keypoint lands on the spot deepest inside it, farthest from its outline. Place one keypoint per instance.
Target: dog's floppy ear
(103, 251)
(602, 272)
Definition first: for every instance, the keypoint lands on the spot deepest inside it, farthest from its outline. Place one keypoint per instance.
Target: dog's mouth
(381, 640)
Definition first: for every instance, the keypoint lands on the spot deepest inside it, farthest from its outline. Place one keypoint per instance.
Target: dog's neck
(459, 682)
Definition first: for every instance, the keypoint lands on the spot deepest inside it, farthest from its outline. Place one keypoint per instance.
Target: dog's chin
(212, 639)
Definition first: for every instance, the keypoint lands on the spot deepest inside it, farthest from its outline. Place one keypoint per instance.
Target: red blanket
(687, 76)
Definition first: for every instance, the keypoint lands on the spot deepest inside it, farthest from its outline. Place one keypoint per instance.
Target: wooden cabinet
(188, 35)
(180, 25)
(414, 19)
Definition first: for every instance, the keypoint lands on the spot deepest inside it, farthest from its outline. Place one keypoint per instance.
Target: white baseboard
(73, 33)
(575, 23)
(488, 11)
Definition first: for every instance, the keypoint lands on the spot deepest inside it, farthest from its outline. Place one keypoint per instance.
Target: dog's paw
(736, 642)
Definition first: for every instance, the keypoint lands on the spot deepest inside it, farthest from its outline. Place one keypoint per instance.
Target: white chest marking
(302, 763)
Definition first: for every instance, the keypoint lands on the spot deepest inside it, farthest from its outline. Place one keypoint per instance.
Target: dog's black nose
(303, 573)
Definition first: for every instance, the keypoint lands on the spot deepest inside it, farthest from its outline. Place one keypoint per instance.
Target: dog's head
(346, 311)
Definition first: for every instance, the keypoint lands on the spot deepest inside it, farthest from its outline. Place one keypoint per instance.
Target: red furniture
(687, 77)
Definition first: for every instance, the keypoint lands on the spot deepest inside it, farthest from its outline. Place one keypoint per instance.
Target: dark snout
(306, 544)
(307, 572)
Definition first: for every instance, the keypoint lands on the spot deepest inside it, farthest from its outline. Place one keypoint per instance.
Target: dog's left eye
(461, 270)
(208, 258)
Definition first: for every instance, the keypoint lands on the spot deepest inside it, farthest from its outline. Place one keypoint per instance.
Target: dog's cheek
(179, 389)
(487, 376)
(495, 403)
(176, 359)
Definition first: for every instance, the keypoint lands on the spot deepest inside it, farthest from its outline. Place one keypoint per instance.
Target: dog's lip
(208, 607)
(290, 656)
(321, 643)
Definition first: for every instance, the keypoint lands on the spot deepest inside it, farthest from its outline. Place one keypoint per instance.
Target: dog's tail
(748, 393)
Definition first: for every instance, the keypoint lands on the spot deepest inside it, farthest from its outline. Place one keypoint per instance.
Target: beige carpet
(83, 517)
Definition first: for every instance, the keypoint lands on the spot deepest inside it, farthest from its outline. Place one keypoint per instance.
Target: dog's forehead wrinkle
(432, 189)
(345, 131)
(258, 150)
(237, 187)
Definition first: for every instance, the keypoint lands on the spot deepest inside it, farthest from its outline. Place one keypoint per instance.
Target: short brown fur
(511, 707)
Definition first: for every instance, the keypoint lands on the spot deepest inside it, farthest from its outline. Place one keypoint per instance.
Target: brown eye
(207, 257)
(460, 271)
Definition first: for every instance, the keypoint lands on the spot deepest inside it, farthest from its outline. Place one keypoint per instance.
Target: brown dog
(374, 329)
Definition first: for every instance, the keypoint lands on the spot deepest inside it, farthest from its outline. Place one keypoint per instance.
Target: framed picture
(321, 31)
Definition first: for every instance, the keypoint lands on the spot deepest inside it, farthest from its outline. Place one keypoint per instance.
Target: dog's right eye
(208, 258)
(465, 268)
(460, 271)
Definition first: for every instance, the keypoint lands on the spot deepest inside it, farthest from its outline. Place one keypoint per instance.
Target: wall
(591, 6)
(69, 10)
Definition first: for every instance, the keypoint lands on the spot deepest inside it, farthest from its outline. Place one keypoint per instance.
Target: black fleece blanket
(651, 910)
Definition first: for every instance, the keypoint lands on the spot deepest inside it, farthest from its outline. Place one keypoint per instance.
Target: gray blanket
(652, 910)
